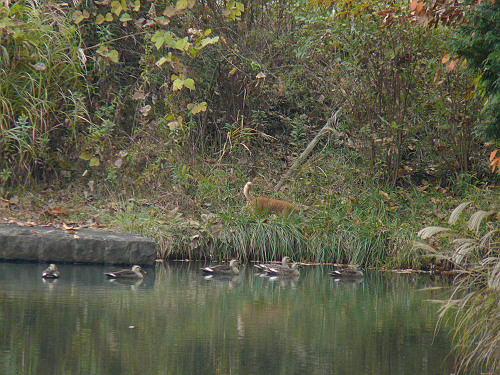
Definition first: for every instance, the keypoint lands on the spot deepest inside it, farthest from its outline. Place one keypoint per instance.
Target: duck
(347, 272)
(134, 273)
(51, 272)
(223, 269)
(282, 271)
(285, 263)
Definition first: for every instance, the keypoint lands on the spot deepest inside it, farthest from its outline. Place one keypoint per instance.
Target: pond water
(178, 322)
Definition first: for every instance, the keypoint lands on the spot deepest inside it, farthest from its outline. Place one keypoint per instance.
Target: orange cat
(264, 206)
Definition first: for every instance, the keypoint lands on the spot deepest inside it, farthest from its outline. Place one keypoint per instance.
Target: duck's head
(136, 268)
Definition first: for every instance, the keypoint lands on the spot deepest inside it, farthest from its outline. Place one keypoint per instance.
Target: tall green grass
(251, 238)
(40, 75)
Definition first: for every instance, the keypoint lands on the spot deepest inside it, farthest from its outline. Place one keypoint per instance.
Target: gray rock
(82, 246)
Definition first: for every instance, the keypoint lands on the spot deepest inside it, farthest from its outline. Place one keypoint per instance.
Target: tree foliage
(479, 42)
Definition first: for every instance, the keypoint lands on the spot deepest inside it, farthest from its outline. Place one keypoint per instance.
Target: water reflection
(175, 321)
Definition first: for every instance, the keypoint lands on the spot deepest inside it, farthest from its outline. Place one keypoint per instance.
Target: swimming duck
(282, 271)
(51, 272)
(285, 263)
(347, 272)
(134, 273)
(223, 269)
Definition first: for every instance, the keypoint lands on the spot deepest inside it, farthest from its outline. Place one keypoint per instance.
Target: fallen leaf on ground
(56, 211)
(67, 227)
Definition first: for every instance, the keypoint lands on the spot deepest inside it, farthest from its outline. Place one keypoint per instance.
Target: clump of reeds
(270, 239)
(473, 307)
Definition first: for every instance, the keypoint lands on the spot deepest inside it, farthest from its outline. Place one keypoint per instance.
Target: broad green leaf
(163, 37)
(85, 155)
(137, 5)
(109, 17)
(169, 11)
(125, 17)
(158, 39)
(233, 10)
(181, 4)
(207, 32)
(184, 4)
(178, 84)
(169, 40)
(162, 21)
(195, 108)
(94, 161)
(102, 50)
(114, 56)
(207, 41)
(189, 83)
(79, 16)
(193, 52)
(181, 81)
(116, 7)
(182, 44)
(99, 20)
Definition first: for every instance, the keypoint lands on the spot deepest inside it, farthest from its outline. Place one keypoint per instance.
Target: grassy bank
(349, 218)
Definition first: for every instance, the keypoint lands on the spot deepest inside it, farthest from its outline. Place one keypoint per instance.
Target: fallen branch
(327, 128)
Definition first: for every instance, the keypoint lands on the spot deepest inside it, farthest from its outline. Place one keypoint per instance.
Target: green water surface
(178, 322)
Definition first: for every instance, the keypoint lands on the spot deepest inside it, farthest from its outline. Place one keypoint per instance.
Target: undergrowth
(349, 218)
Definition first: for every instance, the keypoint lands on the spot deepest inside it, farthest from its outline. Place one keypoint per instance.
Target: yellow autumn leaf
(99, 20)
(116, 7)
(94, 161)
(492, 155)
(189, 83)
(114, 56)
(85, 155)
(195, 108)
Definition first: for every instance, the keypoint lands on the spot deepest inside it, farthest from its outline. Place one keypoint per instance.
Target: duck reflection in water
(50, 283)
(286, 281)
(287, 276)
(133, 283)
(232, 281)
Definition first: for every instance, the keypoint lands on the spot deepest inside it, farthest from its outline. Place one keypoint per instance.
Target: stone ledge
(47, 244)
